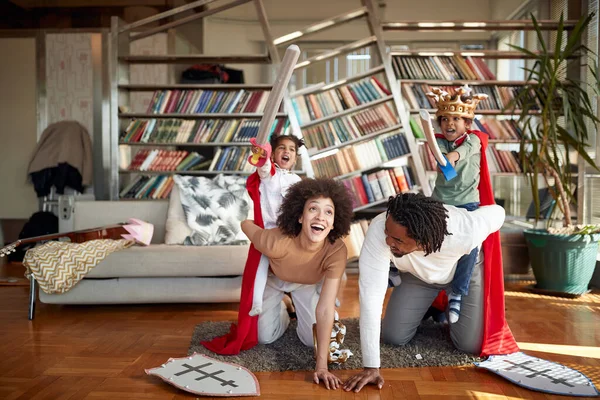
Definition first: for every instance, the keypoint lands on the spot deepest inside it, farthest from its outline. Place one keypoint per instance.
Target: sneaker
(436, 315)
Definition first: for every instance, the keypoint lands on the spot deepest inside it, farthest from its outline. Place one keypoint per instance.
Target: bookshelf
(354, 128)
(418, 71)
(191, 129)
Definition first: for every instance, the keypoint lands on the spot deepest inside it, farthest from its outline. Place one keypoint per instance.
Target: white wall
(147, 73)
(227, 38)
(18, 127)
(503, 9)
(236, 31)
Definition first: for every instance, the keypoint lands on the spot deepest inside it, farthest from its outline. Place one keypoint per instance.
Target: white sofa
(158, 273)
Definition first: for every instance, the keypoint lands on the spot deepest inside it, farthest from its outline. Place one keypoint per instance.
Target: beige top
(64, 142)
(293, 263)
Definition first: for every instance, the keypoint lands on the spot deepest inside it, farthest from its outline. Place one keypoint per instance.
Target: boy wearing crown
(462, 147)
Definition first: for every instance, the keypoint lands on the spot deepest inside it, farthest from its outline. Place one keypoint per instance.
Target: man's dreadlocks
(423, 217)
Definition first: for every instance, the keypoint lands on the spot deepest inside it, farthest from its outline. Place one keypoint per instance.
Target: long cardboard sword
(286, 69)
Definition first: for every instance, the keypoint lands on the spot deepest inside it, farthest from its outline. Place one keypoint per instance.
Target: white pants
(274, 320)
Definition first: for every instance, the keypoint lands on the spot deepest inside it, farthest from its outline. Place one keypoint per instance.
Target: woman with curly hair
(305, 249)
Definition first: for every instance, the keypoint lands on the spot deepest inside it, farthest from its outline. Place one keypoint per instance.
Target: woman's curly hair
(424, 218)
(298, 194)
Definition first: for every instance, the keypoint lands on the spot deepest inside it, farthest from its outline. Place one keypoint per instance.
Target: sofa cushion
(172, 260)
(176, 227)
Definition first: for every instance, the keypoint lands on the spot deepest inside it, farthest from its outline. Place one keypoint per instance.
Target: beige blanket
(58, 266)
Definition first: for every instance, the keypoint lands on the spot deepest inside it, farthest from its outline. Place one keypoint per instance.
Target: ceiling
(278, 11)
(31, 4)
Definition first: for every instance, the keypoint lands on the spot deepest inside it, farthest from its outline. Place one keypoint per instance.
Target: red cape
(497, 337)
(244, 336)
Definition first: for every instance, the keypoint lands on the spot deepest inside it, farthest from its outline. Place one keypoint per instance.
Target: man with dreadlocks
(424, 239)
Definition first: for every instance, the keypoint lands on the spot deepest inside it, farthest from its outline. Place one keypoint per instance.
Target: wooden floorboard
(100, 352)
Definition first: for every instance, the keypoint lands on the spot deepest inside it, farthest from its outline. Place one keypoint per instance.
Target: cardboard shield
(541, 375)
(206, 376)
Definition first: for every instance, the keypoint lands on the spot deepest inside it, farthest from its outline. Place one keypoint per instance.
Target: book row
(354, 240)
(315, 106)
(231, 159)
(498, 161)
(349, 127)
(379, 185)
(503, 160)
(445, 68)
(165, 160)
(499, 96)
(148, 187)
(497, 128)
(207, 101)
(196, 131)
(361, 156)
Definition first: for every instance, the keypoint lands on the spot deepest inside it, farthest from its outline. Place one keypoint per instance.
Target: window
(334, 69)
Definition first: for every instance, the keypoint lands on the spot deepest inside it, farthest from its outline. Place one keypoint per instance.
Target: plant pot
(562, 263)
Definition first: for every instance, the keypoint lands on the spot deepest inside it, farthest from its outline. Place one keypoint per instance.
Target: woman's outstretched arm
(324, 315)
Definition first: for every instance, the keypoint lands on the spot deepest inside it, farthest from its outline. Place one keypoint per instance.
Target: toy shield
(206, 376)
(538, 374)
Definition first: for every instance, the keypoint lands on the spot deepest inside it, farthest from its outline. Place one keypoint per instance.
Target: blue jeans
(465, 265)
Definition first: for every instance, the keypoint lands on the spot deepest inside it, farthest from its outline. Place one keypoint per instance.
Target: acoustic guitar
(104, 232)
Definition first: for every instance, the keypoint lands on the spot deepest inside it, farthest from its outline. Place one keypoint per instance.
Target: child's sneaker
(454, 301)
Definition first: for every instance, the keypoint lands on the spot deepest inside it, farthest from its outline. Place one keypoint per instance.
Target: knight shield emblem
(206, 376)
(538, 374)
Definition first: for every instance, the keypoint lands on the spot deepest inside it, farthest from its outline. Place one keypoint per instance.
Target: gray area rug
(432, 342)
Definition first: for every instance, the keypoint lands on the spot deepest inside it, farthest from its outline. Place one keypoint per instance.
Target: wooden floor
(100, 352)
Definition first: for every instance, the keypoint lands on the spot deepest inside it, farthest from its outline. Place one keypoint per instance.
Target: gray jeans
(410, 301)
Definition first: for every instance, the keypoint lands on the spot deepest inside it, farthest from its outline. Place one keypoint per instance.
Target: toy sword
(445, 166)
(286, 68)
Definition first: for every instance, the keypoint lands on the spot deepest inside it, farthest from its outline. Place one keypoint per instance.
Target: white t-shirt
(468, 228)
(273, 189)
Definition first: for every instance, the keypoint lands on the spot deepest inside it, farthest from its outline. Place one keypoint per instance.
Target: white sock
(454, 301)
(260, 282)
(255, 310)
(394, 278)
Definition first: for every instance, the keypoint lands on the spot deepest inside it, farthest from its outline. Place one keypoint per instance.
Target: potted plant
(563, 259)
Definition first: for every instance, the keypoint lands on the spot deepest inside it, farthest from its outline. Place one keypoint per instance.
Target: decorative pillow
(176, 227)
(213, 209)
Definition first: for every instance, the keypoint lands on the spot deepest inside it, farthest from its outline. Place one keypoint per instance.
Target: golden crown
(453, 106)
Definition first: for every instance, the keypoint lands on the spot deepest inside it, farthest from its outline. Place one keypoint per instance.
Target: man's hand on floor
(367, 375)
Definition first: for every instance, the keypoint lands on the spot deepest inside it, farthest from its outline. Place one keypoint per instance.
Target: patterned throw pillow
(214, 209)
(176, 226)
